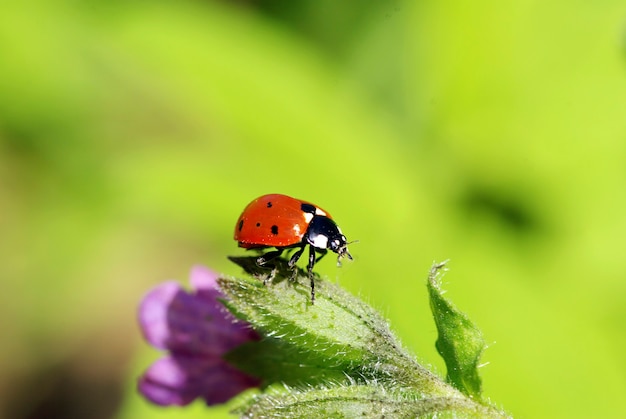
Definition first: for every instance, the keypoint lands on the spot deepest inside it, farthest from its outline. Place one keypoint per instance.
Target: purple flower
(197, 331)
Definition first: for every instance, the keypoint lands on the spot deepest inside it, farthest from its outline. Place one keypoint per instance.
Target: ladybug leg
(292, 262)
(322, 252)
(262, 260)
(310, 269)
(269, 278)
(296, 256)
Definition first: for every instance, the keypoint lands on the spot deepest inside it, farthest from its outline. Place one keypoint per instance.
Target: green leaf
(278, 362)
(338, 337)
(460, 342)
(361, 401)
(335, 359)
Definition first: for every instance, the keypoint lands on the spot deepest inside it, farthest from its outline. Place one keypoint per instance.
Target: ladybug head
(339, 245)
(323, 233)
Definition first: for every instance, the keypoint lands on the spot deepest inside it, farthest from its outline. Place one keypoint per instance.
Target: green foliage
(339, 333)
(361, 401)
(339, 356)
(460, 342)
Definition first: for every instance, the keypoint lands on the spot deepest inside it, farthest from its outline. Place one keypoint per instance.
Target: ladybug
(284, 222)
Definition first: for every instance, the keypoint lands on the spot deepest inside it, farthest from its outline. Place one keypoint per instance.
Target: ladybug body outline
(283, 222)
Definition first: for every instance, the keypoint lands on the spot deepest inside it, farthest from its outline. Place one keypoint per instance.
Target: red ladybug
(283, 222)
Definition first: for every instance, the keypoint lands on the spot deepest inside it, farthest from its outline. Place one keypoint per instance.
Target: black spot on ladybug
(240, 225)
(269, 204)
(308, 208)
(274, 229)
(258, 224)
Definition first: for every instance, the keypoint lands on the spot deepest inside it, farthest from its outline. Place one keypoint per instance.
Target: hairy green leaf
(339, 333)
(362, 401)
(338, 358)
(460, 342)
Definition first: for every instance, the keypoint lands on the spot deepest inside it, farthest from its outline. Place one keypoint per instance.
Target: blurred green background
(133, 133)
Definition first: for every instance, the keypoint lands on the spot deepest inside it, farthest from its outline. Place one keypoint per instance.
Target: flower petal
(165, 384)
(153, 313)
(230, 331)
(177, 380)
(198, 331)
(189, 324)
(224, 382)
(202, 278)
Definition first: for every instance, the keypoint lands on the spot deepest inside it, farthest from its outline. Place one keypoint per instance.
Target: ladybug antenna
(347, 254)
(344, 252)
